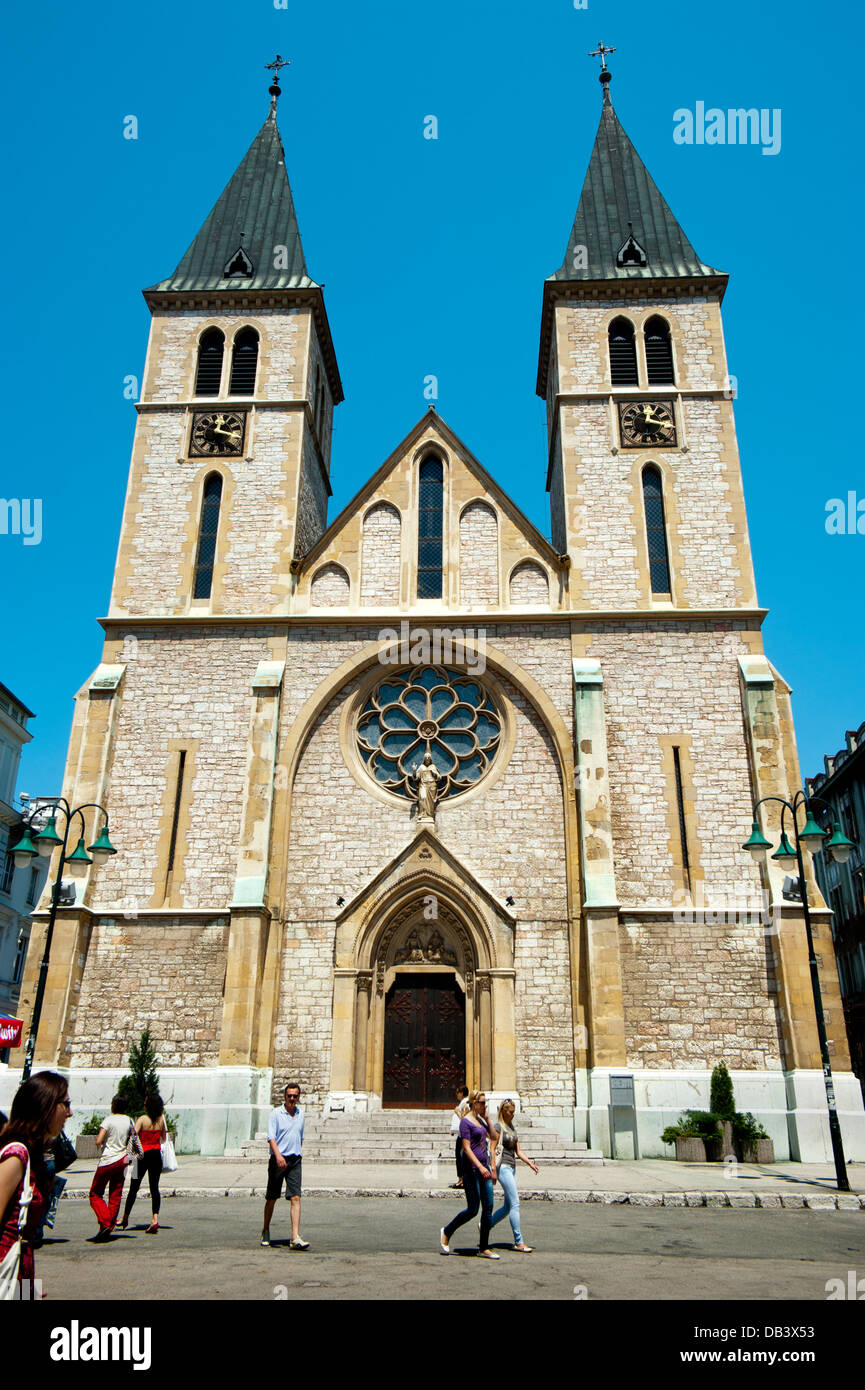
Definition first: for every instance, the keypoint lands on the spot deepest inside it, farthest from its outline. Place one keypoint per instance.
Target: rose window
(429, 710)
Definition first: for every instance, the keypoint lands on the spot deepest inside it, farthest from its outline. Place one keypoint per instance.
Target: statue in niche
(427, 788)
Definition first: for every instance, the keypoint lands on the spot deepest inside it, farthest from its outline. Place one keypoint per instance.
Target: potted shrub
(690, 1147)
(85, 1144)
(753, 1144)
(708, 1125)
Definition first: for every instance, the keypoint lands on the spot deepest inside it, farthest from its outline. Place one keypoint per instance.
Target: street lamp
(43, 844)
(814, 838)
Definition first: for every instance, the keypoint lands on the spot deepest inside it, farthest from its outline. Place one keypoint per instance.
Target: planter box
(761, 1152)
(690, 1151)
(85, 1146)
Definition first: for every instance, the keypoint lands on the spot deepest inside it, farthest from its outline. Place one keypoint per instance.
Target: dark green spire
(622, 220)
(253, 219)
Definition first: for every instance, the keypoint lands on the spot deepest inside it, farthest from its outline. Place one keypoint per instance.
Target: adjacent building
(20, 889)
(419, 794)
(842, 785)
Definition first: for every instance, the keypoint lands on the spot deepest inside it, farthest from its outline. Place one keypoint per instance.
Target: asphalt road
(388, 1249)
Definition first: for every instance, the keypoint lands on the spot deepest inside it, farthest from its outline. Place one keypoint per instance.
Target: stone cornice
(474, 619)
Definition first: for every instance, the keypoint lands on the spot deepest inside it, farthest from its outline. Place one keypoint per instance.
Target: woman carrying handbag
(150, 1128)
(39, 1112)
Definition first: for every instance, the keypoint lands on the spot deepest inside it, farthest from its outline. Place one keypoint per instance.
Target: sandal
(524, 1249)
(488, 1255)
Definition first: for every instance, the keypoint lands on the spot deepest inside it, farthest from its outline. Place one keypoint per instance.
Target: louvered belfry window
(656, 530)
(244, 360)
(207, 536)
(623, 353)
(429, 541)
(209, 373)
(659, 352)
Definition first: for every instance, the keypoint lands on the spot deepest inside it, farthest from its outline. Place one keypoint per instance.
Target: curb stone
(790, 1201)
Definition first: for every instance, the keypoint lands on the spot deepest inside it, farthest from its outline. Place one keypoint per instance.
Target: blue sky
(433, 254)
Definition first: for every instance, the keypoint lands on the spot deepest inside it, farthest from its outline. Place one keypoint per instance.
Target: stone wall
(666, 681)
(189, 688)
(696, 993)
(139, 975)
(479, 554)
(330, 587)
(380, 556)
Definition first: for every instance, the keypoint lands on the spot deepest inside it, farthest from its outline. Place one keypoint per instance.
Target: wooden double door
(424, 1041)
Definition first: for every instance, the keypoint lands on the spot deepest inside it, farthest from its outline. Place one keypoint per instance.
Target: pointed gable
(251, 239)
(486, 539)
(621, 205)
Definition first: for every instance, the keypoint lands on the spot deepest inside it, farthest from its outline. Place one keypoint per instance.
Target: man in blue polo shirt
(285, 1137)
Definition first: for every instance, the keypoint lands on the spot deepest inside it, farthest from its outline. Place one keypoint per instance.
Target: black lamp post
(814, 839)
(44, 843)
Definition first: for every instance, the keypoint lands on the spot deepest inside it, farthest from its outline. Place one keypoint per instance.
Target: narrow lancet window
(244, 360)
(656, 530)
(623, 353)
(209, 372)
(207, 536)
(429, 543)
(659, 352)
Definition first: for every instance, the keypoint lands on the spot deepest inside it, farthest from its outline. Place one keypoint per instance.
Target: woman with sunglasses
(506, 1135)
(39, 1111)
(479, 1174)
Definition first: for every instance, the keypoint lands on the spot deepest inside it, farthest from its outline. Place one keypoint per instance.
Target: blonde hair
(502, 1106)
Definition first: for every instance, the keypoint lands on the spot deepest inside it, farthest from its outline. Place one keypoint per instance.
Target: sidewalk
(650, 1182)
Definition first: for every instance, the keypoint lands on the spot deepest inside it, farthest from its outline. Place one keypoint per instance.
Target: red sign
(10, 1032)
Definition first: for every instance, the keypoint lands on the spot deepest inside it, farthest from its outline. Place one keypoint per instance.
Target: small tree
(142, 1080)
(722, 1102)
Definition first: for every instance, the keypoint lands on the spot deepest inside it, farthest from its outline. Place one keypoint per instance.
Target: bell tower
(643, 467)
(229, 481)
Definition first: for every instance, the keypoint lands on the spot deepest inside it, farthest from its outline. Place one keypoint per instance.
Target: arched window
(659, 352)
(209, 372)
(623, 353)
(207, 536)
(429, 533)
(244, 360)
(656, 530)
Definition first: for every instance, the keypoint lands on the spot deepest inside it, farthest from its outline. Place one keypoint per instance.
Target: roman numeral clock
(643, 423)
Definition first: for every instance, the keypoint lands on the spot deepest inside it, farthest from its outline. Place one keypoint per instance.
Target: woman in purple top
(479, 1175)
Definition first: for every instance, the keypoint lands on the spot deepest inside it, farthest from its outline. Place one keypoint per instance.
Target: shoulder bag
(134, 1147)
(64, 1152)
(11, 1265)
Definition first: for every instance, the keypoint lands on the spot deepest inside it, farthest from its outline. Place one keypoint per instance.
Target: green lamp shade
(785, 853)
(757, 844)
(102, 848)
(24, 851)
(48, 838)
(839, 845)
(811, 836)
(79, 854)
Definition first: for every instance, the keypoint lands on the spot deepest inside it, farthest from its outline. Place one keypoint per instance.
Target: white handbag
(11, 1265)
(169, 1160)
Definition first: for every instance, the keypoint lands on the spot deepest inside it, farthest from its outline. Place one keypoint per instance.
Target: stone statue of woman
(427, 789)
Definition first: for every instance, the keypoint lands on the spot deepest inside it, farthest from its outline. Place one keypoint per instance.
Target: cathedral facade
(418, 795)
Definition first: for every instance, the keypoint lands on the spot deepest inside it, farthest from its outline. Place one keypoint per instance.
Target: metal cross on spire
(274, 67)
(605, 77)
(601, 52)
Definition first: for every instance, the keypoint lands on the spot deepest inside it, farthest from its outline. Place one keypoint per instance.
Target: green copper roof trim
(252, 223)
(620, 200)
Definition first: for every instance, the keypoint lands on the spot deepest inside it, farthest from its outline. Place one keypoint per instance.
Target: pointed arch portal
(425, 1005)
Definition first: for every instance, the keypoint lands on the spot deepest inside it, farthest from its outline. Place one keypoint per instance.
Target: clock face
(217, 432)
(647, 423)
